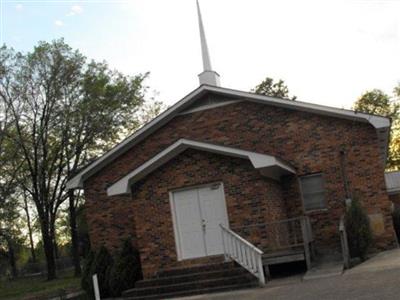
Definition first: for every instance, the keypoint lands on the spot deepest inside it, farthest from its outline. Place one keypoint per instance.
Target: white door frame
(173, 212)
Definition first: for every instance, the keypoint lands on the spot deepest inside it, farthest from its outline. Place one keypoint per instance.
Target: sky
(328, 52)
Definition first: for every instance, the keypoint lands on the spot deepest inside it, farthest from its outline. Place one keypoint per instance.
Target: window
(312, 188)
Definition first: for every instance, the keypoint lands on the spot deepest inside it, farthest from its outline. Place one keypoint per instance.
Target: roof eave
(268, 165)
(77, 181)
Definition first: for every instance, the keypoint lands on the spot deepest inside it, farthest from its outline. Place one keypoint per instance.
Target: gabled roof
(268, 165)
(381, 124)
(393, 182)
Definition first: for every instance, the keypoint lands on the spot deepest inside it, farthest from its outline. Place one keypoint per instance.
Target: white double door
(198, 213)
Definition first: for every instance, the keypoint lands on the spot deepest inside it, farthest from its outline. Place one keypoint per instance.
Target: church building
(226, 183)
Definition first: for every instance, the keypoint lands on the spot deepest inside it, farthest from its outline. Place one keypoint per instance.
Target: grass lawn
(38, 287)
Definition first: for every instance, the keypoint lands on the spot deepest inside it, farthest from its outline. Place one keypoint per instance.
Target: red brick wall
(311, 143)
(250, 198)
(110, 220)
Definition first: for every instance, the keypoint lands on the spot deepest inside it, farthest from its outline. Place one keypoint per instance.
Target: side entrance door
(197, 213)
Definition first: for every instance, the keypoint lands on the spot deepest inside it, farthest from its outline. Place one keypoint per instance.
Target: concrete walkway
(382, 261)
(377, 278)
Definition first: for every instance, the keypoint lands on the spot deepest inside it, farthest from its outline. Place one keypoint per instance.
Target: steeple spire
(208, 76)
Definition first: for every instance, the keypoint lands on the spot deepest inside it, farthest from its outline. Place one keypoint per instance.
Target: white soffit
(381, 124)
(268, 165)
(393, 182)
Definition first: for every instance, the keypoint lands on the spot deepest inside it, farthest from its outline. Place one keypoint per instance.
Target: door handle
(203, 224)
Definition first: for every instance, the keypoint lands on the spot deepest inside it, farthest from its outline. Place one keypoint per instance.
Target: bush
(86, 280)
(97, 263)
(396, 222)
(101, 266)
(358, 230)
(126, 269)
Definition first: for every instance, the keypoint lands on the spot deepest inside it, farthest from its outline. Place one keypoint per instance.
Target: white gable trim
(208, 106)
(382, 124)
(269, 166)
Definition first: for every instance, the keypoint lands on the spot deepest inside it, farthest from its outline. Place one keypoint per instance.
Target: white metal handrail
(243, 252)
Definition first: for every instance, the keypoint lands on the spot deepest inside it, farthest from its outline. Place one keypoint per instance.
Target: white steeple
(208, 76)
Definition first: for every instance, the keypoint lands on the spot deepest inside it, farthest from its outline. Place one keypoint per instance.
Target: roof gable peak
(381, 124)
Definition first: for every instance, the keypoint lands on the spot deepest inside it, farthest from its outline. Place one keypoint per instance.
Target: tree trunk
(11, 258)
(33, 255)
(55, 245)
(48, 246)
(54, 238)
(74, 233)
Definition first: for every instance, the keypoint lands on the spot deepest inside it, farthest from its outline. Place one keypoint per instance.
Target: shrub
(86, 280)
(126, 269)
(396, 222)
(358, 230)
(101, 265)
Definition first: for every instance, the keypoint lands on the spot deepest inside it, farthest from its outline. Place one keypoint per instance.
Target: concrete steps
(192, 281)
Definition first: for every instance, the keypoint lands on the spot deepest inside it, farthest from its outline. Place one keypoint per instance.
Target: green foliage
(11, 235)
(59, 110)
(101, 266)
(273, 89)
(126, 269)
(396, 221)
(358, 230)
(375, 102)
(86, 280)
(37, 287)
(378, 103)
(83, 231)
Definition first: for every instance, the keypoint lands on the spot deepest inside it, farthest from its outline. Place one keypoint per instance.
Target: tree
(29, 224)
(358, 230)
(86, 280)
(395, 136)
(9, 230)
(378, 103)
(126, 269)
(65, 110)
(273, 89)
(101, 266)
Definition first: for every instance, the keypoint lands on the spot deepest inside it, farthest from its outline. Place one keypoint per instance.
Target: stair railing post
(311, 237)
(261, 277)
(226, 257)
(305, 241)
(96, 287)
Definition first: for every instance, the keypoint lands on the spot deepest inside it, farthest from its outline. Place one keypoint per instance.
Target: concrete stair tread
(195, 269)
(192, 281)
(191, 285)
(192, 277)
(194, 292)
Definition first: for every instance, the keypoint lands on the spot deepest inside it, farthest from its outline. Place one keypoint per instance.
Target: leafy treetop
(273, 89)
(379, 103)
